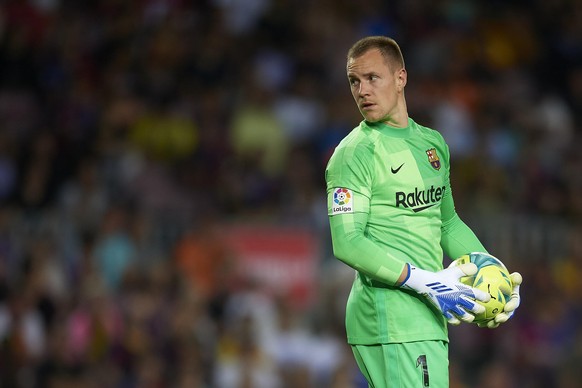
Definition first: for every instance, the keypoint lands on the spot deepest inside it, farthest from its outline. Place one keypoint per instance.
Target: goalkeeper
(392, 215)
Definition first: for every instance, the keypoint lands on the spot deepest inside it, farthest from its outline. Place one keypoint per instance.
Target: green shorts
(404, 365)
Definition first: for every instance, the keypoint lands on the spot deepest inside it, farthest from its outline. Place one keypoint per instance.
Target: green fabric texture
(412, 364)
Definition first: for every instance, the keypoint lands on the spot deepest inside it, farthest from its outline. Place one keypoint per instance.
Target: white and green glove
(510, 306)
(455, 300)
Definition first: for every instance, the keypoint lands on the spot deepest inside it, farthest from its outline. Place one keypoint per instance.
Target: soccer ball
(492, 277)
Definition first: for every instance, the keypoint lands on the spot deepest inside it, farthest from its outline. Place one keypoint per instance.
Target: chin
(372, 116)
(372, 119)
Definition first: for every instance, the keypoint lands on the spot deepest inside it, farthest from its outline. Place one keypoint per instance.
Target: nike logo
(398, 169)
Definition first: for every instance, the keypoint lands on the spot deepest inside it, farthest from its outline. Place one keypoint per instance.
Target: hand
(454, 299)
(510, 306)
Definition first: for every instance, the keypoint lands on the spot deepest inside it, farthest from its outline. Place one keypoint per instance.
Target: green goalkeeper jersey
(390, 203)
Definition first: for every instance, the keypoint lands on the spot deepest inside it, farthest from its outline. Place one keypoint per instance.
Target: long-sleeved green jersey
(390, 203)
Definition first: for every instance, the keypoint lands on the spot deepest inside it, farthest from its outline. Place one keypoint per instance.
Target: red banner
(284, 260)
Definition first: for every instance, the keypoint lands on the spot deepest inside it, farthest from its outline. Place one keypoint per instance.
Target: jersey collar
(392, 131)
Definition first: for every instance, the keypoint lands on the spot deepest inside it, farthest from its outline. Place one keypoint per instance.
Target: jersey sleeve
(349, 178)
(352, 247)
(456, 237)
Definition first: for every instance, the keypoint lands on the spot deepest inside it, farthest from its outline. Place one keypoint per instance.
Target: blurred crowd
(132, 131)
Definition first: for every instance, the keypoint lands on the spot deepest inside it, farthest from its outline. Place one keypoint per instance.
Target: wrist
(404, 275)
(414, 277)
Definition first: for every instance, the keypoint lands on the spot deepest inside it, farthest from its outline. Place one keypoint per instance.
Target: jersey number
(421, 361)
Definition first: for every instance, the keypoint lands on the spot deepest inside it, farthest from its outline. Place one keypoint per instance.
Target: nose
(363, 89)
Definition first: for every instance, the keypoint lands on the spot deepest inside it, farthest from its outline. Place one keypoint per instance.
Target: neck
(399, 118)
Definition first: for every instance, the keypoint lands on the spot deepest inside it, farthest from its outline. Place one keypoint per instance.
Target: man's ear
(401, 79)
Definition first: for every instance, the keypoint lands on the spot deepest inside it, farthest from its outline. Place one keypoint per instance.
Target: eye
(354, 82)
(373, 77)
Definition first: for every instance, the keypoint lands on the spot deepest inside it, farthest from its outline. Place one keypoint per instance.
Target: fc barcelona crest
(433, 158)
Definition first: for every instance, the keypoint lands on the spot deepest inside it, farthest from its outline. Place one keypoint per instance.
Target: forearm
(458, 239)
(352, 247)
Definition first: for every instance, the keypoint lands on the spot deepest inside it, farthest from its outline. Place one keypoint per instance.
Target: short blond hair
(388, 47)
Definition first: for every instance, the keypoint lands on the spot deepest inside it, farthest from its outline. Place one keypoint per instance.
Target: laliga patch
(343, 201)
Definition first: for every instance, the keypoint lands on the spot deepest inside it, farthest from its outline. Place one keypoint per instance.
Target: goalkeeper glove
(454, 299)
(510, 306)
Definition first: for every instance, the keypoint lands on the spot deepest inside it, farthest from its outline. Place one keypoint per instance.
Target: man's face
(376, 86)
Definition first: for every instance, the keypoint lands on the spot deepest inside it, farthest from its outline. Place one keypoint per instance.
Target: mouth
(366, 105)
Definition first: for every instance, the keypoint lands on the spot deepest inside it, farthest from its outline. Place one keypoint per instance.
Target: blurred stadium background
(162, 208)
